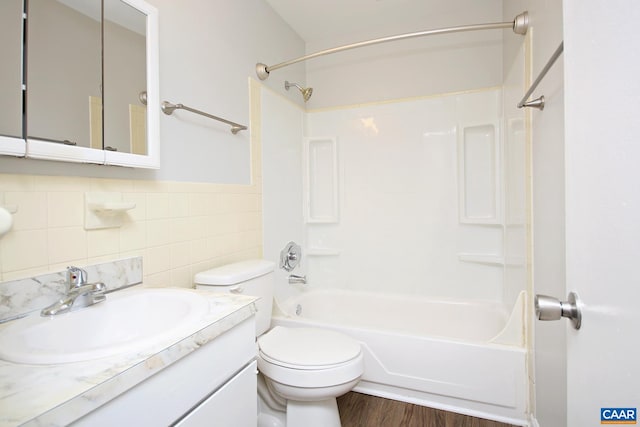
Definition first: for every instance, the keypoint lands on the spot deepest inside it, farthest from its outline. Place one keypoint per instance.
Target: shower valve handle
(290, 256)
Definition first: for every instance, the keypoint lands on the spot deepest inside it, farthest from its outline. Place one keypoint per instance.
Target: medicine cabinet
(81, 81)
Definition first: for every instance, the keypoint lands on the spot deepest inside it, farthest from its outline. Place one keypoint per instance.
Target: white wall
(546, 197)
(418, 67)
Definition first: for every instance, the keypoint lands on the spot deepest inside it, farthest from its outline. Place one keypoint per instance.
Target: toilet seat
(307, 348)
(309, 357)
(268, 359)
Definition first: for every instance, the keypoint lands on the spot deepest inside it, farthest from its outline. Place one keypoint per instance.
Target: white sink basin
(128, 321)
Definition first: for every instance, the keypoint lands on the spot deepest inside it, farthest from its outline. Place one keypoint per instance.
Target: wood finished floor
(361, 410)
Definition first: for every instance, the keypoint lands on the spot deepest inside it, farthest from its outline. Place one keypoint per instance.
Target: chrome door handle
(550, 308)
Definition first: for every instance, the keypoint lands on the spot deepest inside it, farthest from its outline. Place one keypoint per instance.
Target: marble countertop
(56, 395)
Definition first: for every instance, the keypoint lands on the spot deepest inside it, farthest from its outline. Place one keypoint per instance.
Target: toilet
(304, 369)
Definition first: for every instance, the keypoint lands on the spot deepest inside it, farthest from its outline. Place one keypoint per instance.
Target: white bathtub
(466, 357)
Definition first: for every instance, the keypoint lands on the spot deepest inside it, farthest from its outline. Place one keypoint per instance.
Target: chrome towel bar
(168, 108)
(539, 102)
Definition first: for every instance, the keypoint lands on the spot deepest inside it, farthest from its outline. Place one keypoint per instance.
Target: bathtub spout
(293, 279)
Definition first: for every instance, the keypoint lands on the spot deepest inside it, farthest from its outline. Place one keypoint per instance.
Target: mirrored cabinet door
(11, 106)
(91, 65)
(125, 78)
(131, 76)
(64, 73)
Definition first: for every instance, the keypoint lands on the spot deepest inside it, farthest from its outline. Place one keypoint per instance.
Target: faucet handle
(76, 276)
(290, 256)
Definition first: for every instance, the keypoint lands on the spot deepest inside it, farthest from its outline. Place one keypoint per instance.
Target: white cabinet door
(233, 405)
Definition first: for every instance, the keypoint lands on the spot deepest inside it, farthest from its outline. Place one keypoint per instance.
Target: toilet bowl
(304, 369)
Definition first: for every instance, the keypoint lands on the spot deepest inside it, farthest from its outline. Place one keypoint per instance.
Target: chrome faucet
(79, 293)
(294, 278)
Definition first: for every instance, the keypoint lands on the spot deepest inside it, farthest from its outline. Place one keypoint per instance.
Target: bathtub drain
(298, 310)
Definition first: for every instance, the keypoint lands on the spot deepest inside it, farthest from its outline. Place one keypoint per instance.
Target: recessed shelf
(482, 259)
(320, 180)
(512, 261)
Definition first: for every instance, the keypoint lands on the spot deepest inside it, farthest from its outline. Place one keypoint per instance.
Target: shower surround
(418, 199)
(424, 190)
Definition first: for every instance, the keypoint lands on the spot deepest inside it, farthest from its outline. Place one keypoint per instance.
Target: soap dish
(105, 210)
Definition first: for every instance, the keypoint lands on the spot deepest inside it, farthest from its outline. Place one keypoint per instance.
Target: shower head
(305, 91)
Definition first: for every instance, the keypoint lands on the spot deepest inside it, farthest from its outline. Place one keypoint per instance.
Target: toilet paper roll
(6, 221)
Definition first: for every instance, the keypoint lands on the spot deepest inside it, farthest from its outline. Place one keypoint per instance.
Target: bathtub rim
(511, 334)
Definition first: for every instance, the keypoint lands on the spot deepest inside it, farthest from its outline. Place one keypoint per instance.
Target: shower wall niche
(478, 174)
(320, 180)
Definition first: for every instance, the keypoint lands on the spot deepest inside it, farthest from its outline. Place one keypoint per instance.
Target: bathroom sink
(128, 321)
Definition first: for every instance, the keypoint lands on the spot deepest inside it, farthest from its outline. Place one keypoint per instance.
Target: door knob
(550, 308)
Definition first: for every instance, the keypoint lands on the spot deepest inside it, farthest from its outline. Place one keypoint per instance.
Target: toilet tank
(252, 278)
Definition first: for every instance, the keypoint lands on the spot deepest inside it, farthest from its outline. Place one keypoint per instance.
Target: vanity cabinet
(213, 385)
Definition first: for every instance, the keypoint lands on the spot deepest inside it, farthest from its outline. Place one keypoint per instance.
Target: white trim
(12, 146)
(47, 150)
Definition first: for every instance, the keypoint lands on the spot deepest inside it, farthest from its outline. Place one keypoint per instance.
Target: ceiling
(318, 20)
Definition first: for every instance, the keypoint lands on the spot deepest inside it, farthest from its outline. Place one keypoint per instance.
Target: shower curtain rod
(520, 24)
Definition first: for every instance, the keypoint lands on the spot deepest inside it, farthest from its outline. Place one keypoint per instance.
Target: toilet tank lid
(237, 272)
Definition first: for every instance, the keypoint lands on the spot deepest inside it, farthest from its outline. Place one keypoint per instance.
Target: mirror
(11, 77)
(125, 78)
(64, 72)
(90, 67)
